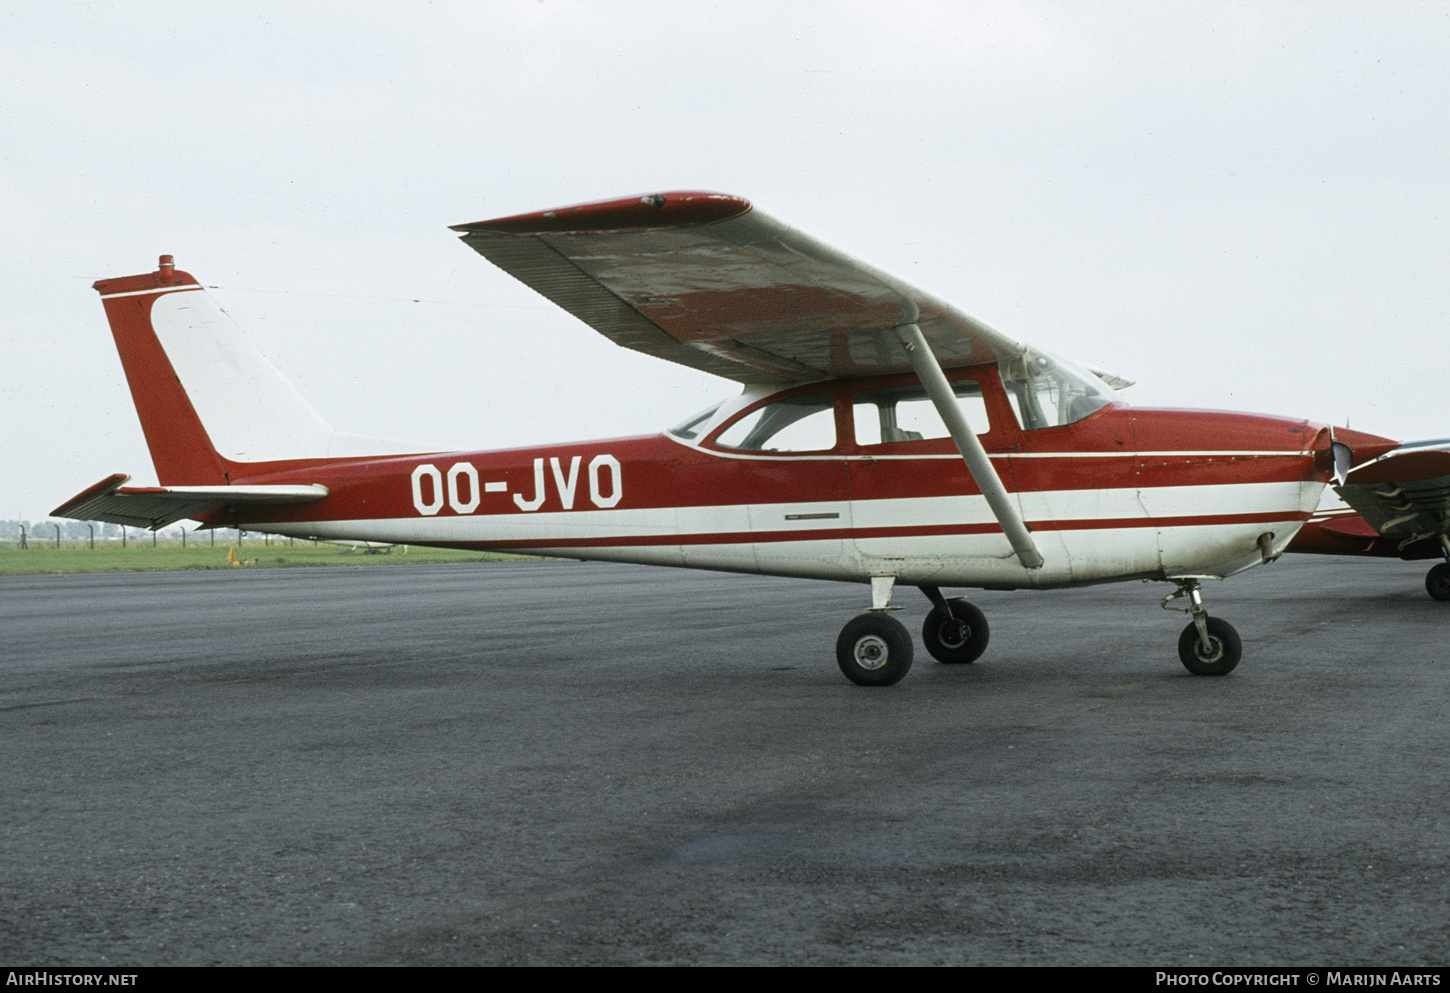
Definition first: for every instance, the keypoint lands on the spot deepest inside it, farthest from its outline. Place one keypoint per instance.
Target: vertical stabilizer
(210, 404)
(180, 447)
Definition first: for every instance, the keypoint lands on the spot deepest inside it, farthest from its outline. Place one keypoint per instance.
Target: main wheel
(874, 650)
(1437, 581)
(961, 637)
(1218, 657)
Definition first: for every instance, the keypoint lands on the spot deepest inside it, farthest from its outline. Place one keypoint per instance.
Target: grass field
(250, 554)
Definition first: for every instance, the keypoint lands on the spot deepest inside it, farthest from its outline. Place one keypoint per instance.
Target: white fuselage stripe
(1081, 507)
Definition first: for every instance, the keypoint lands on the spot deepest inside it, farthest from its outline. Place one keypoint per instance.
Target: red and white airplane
(882, 437)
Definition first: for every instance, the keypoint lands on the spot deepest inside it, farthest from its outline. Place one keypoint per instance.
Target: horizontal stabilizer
(157, 506)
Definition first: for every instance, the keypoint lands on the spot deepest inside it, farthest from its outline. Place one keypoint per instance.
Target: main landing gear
(1437, 580)
(875, 649)
(1208, 646)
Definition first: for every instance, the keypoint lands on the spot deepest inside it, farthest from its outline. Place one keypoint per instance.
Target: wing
(1404, 495)
(706, 280)
(157, 506)
(1401, 505)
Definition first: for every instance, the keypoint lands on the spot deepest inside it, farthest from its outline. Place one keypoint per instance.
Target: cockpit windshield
(1049, 392)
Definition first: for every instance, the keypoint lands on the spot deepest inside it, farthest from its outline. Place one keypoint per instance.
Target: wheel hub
(954, 633)
(871, 652)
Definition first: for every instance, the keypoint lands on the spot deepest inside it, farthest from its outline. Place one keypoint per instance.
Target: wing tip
(684, 208)
(105, 487)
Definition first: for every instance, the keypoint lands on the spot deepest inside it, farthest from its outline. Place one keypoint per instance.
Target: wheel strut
(933, 593)
(1194, 592)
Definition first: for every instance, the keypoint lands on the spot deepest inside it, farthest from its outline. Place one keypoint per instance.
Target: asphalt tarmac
(568, 763)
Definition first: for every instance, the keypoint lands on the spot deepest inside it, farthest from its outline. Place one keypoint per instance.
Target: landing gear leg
(874, 649)
(1437, 580)
(1208, 646)
(955, 632)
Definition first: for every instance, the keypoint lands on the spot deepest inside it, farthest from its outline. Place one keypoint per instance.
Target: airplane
(881, 437)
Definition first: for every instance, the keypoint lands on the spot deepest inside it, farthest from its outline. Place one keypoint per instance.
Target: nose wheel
(1209, 646)
(1215, 656)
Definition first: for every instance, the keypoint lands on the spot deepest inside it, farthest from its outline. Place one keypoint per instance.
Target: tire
(1225, 649)
(874, 650)
(1437, 581)
(957, 639)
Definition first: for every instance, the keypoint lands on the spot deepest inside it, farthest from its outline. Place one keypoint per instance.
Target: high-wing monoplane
(882, 437)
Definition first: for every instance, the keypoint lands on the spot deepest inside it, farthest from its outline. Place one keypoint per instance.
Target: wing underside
(707, 281)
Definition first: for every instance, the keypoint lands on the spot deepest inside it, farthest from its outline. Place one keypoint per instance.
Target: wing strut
(928, 370)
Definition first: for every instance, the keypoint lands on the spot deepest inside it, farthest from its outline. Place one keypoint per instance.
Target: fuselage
(848, 479)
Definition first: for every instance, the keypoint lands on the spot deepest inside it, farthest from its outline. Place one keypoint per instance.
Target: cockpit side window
(1047, 392)
(795, 424)
(904, 413)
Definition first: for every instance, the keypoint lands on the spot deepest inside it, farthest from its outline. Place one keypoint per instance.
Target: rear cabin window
(797, 424)
(905, 413)
(690, 428)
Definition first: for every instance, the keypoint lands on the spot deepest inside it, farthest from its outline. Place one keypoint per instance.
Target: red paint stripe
(908, 531)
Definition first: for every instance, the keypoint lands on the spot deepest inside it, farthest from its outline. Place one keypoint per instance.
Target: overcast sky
(1241, 206)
